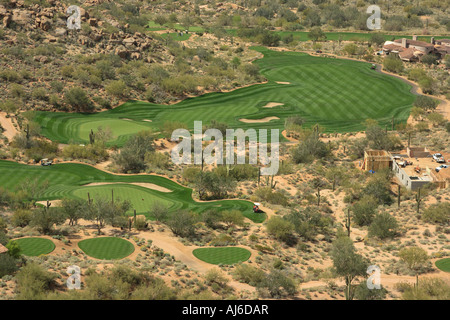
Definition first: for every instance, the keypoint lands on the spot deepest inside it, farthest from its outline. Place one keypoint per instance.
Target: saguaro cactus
(92, 137)
(418, 200)
(348, 222)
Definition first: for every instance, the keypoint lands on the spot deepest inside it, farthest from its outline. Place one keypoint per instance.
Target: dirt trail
(6, 123)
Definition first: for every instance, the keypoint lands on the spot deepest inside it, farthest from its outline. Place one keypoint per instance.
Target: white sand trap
(141, 184)
(266, 119)
(283, 82)
(273, 105)
(147, 120)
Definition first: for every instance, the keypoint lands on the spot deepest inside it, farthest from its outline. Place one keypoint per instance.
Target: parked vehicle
(46, 162)
(438, 158)
(442, 166)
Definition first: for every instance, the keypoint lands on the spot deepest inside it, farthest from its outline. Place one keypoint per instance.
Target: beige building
(412, 50)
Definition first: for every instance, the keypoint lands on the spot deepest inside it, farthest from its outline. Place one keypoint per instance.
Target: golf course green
(335, 93)
(443, 264)
(69, 180)
(33, 247)
(222, 255)
(107, 248)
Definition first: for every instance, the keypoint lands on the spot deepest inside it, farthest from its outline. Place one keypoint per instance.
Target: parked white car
(442, 166)
(438, 158)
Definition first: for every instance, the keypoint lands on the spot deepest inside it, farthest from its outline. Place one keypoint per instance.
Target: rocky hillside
(114, 57)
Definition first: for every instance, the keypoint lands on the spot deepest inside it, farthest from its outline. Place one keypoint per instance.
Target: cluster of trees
(101, 211)
(34, 282)
(310, 147)
(138, 154)
(273, 284)
(304, 224)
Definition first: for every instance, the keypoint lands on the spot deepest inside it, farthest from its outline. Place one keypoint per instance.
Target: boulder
(61, 32)
(45, 23)
(122, 52)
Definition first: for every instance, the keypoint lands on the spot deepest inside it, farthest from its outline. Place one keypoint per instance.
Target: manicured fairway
(443, 264)
(67, 181)
(338, 94)
(34, 247)
(222, 255)
(107, 248)
(141, 200)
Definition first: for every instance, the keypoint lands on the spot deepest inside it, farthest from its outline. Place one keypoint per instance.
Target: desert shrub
(393, 64)
(383, 226)
(223, 240)
(280, 228)
(271, 196)
(437, 213)
(8, 265)
(364, 210)
(277, 284)
(34, 282)
(21, 218)
(249, 274)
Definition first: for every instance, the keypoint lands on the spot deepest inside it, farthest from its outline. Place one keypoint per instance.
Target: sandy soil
(273, 104)
(10, 130)
(283, 82)
(266, 119)
(141, 184)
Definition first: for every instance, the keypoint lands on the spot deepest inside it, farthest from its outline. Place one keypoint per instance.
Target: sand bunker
(53, 203)
(140, 184)
(273, 104)
(266, 119)
(147, 120)
(283, 82)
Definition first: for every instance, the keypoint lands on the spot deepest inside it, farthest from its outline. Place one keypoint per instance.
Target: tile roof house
(412, 50)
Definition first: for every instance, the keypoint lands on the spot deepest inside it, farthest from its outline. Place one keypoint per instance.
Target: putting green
(337, 94)
(222, 255)
(119, 128)
(34, 247)
(443, 264)
(107, 248)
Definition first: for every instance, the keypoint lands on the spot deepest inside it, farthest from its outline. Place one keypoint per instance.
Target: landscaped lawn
(338, 94)
(107, 248)
(34, 247)
(443, 264)
(222, 255)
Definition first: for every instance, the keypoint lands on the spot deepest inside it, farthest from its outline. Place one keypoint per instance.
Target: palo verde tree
(414, 258)
(347, 263)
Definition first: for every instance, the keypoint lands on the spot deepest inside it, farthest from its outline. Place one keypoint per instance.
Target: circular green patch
(106, 248)
(443, 264)
(34, 247)
(222, 255)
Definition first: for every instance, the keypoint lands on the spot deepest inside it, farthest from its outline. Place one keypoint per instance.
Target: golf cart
(256, 207)
(373, 66)
(46, 162)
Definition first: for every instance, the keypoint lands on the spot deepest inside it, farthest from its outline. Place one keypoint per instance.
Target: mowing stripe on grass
(67, 180)
(338, 94)
(222, 255)
(107, 248)
(34, 247)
